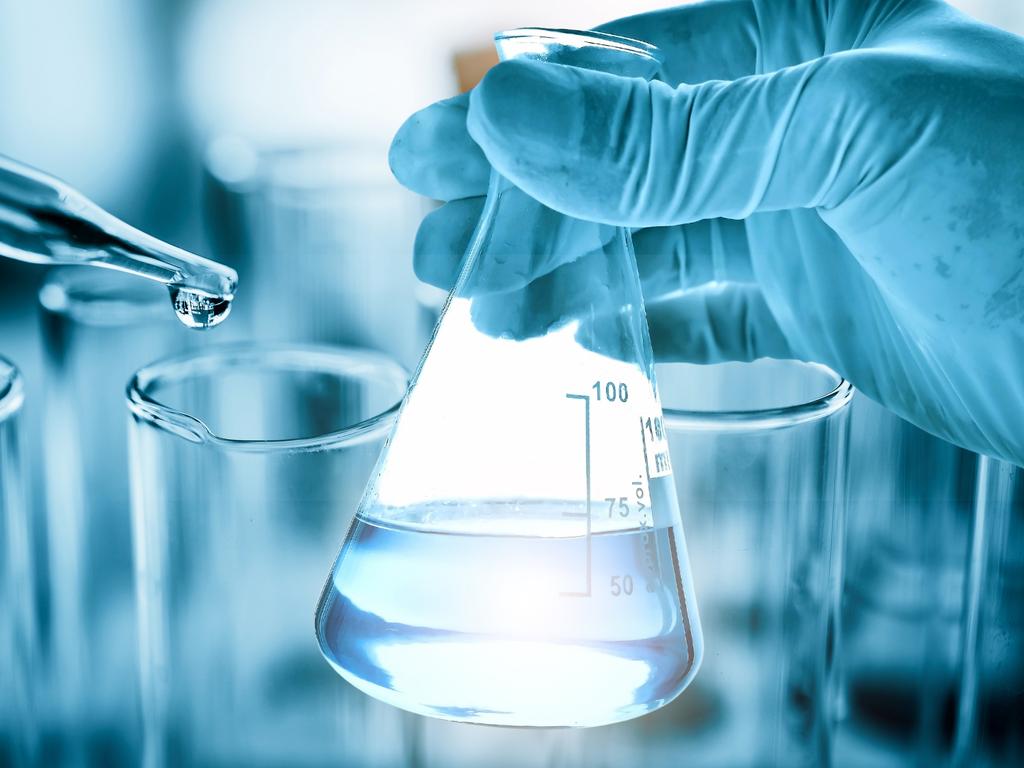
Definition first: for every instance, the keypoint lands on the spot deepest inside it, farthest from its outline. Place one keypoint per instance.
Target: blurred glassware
(98, 327)
(247, 464)
(990, 714)
(18, 626)
(759, 455)
(906, 543)
(323, 235)
(933, 602)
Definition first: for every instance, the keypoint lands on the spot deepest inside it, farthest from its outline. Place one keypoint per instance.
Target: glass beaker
(759, 451)
(99, 327)
(243, 460)
(518, 558)
(18, 624)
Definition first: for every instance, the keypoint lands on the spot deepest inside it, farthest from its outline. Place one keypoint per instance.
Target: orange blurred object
(471, 66)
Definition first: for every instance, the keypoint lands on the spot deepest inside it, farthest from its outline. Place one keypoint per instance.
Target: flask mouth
(582, 48)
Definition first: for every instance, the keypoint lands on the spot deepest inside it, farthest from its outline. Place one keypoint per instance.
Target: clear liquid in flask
(510, 612)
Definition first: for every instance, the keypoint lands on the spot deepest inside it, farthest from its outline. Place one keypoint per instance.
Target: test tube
(18, 627)
(99, 326)
(247, 465)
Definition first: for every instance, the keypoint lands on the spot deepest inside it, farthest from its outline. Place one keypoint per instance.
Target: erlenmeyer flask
(518, 557)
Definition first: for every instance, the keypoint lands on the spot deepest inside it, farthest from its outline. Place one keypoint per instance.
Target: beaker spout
(45, 221)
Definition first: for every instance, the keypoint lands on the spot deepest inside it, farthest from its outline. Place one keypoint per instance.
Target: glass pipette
(45, 221)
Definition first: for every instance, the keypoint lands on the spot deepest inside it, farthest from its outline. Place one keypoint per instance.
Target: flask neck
(519, 240)
(530, 271)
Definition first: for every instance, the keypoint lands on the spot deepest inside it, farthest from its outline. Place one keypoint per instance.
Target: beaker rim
(814, 409)
(584, 37)
(102, 297)
(12, 391)
(351, 362)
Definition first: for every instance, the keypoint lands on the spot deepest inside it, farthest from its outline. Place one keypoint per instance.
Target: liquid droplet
(196, 309)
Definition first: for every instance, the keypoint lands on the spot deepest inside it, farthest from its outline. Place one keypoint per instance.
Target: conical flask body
(518, 557)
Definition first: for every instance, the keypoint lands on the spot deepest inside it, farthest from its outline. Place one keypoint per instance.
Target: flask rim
(577, 38)
(763, 419)
(12, 391)
(349, 362)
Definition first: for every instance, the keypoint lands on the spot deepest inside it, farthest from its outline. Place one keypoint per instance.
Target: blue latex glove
(831, 180)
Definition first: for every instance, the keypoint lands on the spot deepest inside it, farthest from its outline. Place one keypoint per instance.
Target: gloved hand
(832, 180)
